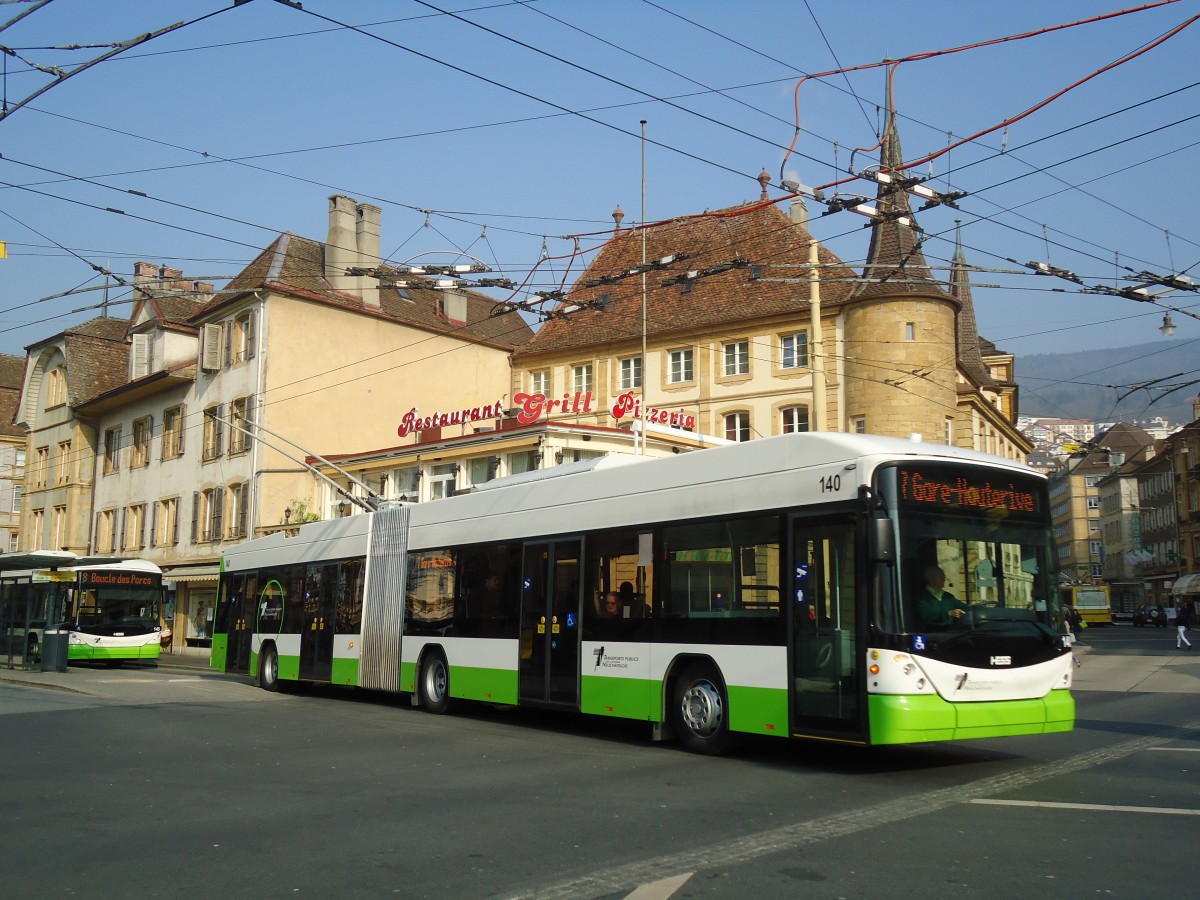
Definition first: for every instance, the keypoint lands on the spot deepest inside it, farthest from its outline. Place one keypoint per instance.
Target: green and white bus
(110, 608)
(770, 587)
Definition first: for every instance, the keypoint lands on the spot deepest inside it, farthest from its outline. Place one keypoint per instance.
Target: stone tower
(901, 349)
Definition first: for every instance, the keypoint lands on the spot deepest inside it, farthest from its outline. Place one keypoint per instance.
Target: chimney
(366, 235)
(1196, 409)
(341, 245)
(798, 211)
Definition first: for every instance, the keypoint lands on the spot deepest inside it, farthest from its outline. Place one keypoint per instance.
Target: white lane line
(792, 837)
(1095, 807)
(1176, 749)
(661, 889)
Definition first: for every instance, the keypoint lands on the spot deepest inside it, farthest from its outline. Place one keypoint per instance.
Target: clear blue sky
(240, 125)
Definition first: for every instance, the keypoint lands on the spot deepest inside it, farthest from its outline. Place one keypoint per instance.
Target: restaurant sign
(530, 408)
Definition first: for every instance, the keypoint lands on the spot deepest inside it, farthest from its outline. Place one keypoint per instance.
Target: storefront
(192, 599)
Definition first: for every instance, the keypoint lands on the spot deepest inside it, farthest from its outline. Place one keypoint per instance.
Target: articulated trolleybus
(776, 587)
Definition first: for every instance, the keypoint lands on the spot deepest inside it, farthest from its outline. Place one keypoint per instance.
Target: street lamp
(1167, 328)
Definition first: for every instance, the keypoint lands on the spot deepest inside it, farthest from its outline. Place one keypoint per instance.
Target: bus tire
(700, 710)
(433, 685)
(268, 669)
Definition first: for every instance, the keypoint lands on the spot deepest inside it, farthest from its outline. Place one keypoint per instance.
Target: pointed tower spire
(969, 355)
(895, 263)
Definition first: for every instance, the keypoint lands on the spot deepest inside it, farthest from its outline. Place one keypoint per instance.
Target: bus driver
(938, 607)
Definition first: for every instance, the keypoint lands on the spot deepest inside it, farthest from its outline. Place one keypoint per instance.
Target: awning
(186, 574)
(1186, 584)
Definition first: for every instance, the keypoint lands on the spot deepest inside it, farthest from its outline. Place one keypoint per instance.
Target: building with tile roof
(185, 427)
(740, 334)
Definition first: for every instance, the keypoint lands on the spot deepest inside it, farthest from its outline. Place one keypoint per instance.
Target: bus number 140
(831, 484)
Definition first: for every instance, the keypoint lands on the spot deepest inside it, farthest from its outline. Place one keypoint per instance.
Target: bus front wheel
(268, 670)
(701, 712)
(434, 684)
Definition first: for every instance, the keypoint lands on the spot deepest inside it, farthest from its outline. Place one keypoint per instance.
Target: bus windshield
(107, 600)
(974, 552)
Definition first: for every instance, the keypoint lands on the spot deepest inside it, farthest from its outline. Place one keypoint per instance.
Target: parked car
(1150, 615)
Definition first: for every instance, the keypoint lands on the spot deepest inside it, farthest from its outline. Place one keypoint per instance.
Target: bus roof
(618, 491)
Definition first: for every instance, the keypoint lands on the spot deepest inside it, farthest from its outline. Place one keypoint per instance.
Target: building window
(206, 515)
(139, 450)
(406, 484)
(172, 436)
(910, 331)
(62, 466)
(37, 524)
(214, 431)
(20, 458)
(18, 498)
(794, 419)
(56, 388)
(858, 424)
(483, 469)
(1093, 502)
(14, 542)
(737, 426)
(242, 337)
(106, 531)
(238, 510)
(166, 523)
(949, 431)
(441, 480)
(112, 450)
(582, 378)
(679, 368)
(793, 350)
(241, 414)
(58, 528)
(135, 521)
(539, 382)
(41, 466)
(737, 358)
(631, 372)
(523, 461)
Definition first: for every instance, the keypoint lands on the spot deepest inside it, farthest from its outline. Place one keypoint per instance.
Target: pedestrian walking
(1183, 618)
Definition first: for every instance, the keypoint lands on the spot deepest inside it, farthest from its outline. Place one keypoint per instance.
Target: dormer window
(452, 306)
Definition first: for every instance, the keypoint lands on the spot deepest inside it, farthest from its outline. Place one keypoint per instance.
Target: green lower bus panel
(487, 685)
(345, 671)
(915, 719)
(220, 649)
(83, 653)
(758, 710)
(625, 698)
(289, 668)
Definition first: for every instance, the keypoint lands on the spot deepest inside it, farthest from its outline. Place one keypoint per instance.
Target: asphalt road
(178, 783)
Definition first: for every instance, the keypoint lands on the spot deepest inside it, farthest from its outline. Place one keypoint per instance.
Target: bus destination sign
(112, 578)
(961, 490)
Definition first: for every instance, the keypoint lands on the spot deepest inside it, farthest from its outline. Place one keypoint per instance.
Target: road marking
(661, 889)
(1176, 749)
(1096, 807)
(791, 838)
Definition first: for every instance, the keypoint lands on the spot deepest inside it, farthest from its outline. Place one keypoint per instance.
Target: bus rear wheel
(433, 687)
(268, 670)
(701, 712)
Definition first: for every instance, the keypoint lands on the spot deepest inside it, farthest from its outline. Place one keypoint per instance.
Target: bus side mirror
(881, 540)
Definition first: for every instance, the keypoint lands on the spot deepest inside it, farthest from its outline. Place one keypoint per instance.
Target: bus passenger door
(240, 617)
(550, 591)
(316, 636)
(826, 618)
